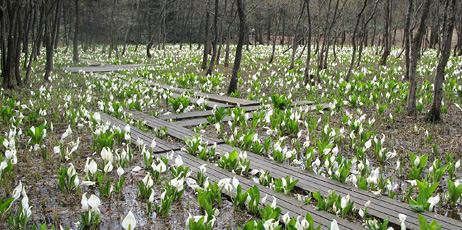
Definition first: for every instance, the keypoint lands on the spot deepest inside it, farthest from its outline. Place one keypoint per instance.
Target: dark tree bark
(358, 18)
(237, 61)
(295, 41)
(407, 35)
(458, 47)
(76, 32)
(329, 32)
(326, 27)
(416, 44)
(434, 114)
(11, 42)
(51, 12)
(220, 42)
(306, 74)
(228, 37)
(206, 38)
(363, 41)
(215, 39)
(387, 34)
(275, 38)
(283, 27)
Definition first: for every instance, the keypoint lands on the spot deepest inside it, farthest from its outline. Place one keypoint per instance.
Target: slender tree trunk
(329, 32)
(215, 39)
(237, 61)
(387, 34)
(206, 38)
(295, 42)
(407, 35)
(358, 19)
(275, 39)
(227, 48)
(321, 55)
(220, 42)
(363, 41)
(416, 44)
(307, 77)
(434, 114)
(76, 32)
(283, 27)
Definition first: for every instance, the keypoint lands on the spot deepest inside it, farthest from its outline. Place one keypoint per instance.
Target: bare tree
(237, 61)
(206, 37)
(407, 35)
(358, 18)
(215, 39)
(416, 44)
(295, 42)
(387, 34)
(76, 32)
(306, 75)
(11, 42)
(434, 114)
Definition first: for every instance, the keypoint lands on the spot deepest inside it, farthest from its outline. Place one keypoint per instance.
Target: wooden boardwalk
(287, 204)
(381, 206)
(173, 130)
(161, 146)
(102, 69)
(197, 114)
(193, 119)
(212, 97)
(210, 104)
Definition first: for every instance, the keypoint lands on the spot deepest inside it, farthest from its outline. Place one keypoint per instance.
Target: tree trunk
(329, 32)
(387, 34)
(416, 44)
(215, 39)
(76, 32)
(407, 35)
(283, 27)
(275, 38)
(295, 42)
(227, 48)
(321, 55)
(434, 114)
(306, 74)
(237, 61)
(51, 15)
(206, 38)
(358, 19)
(364, 34)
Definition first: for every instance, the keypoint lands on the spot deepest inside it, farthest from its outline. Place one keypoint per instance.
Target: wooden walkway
(381, 206)
(161, 146)
(173, 130)
(210, 104)
(193, 119)
(212, 97)
(287, 204)
(197, 114)
(102, 69)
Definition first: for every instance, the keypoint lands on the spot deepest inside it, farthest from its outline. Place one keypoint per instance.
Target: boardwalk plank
(173, 130)
(381, 207)
(198, 114)
(105, 68)
(212, 97)
(161, 146)
(287, 204)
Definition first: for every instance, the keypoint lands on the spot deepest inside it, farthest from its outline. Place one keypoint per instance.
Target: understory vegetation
(63, 166)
